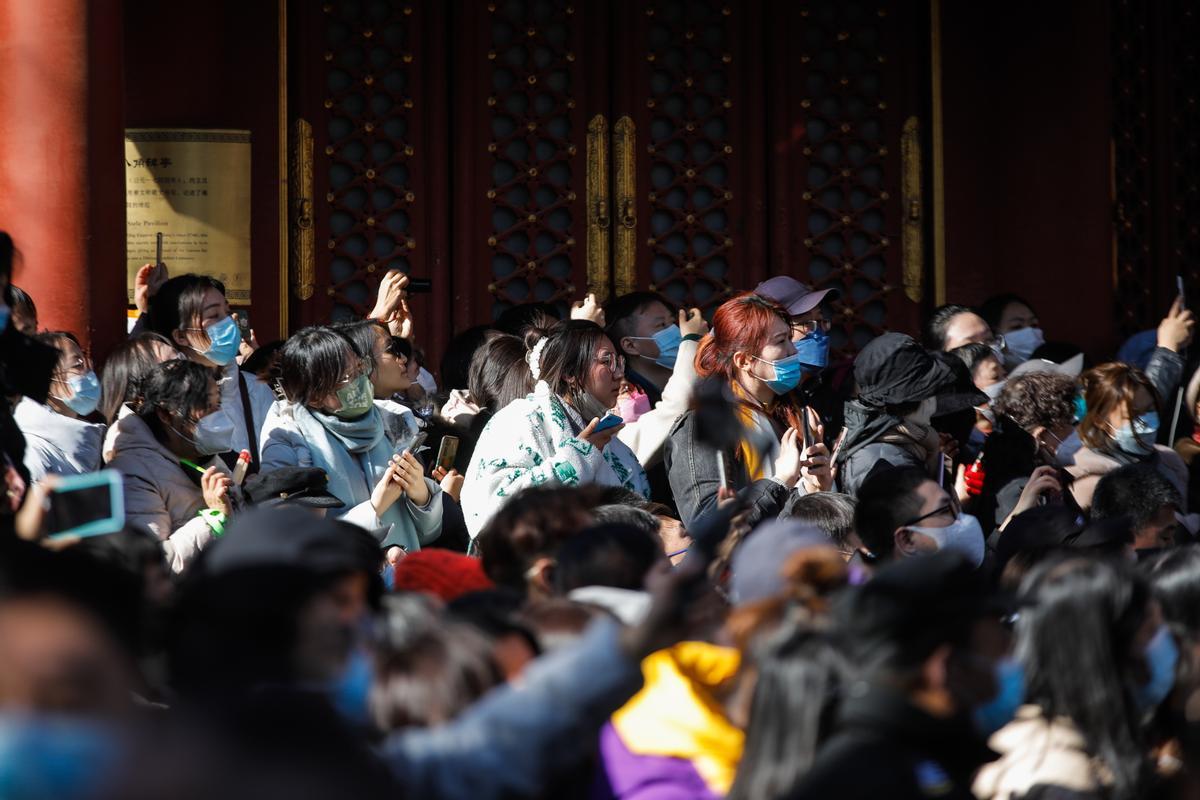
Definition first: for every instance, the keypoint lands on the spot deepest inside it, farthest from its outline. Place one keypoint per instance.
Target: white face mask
(964, 536)
(213, 434)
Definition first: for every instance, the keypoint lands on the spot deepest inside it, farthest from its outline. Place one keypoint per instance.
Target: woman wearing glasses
(551, 436)
(59, 439)
(330, 420)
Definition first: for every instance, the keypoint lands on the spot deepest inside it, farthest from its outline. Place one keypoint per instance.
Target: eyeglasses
(810, 326)
(76, 368)
(360, 368)
(614, 362)
(951, 510)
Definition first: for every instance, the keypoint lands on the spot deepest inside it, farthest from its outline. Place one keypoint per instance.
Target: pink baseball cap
(793, 295)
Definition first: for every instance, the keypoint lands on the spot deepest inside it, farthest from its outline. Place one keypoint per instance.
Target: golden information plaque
(193, 186)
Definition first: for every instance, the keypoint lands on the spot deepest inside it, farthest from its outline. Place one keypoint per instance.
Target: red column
(62, 172)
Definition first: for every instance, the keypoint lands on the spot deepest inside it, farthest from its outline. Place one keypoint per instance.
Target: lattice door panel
(1156, 156)
(376, 171)
(836, 136)
(691, 87)
(520, 225)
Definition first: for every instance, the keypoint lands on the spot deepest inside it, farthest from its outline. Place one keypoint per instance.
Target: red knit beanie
(440, 572)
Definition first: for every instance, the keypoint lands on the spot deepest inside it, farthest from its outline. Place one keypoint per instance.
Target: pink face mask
(632, 405)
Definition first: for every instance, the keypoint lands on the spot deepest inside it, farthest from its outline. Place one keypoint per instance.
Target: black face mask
(26, 365)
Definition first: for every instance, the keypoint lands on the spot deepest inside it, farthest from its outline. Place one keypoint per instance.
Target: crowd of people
(631, 551)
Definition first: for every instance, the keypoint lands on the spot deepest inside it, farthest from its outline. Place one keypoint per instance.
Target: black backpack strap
(248, 414)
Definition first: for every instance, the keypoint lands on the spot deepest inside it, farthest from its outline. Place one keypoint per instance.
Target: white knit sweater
(531, 442)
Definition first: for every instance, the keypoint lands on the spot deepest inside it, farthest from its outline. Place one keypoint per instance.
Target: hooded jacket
(55, 443)
(892, 370)
(672, 739)
(159, 493)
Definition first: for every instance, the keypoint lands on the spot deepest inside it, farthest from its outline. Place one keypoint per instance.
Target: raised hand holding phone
(593, 435)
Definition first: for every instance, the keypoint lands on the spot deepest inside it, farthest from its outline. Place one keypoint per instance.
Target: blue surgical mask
(85, 394)
(1022, 343)
(54, 755)
(813, 349)
(351, 692)
(667, 340)
(1138, 437)
(1010, 693)
(224, 340)
(1162, 655)
(788, 372)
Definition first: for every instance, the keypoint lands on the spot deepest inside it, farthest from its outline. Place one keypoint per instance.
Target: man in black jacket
(936, 679)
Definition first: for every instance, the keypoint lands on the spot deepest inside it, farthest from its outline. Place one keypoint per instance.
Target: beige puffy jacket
(159, 494)
(1047, 754)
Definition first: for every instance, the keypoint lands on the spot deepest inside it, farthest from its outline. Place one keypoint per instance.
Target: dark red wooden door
(739, 141)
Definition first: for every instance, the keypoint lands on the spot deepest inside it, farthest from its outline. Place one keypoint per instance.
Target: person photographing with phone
(175, 484)
(751, 353)
(330, 420)
(554, 435)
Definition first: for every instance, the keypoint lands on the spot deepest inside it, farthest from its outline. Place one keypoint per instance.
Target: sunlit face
(72, 363)
(653, 318)
(938, 510)
(604, 375)
(1016, 316)
(1143, 403)
(352, 368)
(213, 309)
(391, 371)
(988, 372)
(804, 325)
(966, 328)
(778, 346)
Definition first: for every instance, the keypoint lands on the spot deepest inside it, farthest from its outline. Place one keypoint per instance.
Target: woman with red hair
(750, 351)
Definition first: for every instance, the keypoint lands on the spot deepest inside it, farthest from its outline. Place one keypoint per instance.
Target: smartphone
(158, 249)
(609, 421)
(419, 286)
(447, 450)
(414, 446)
(243, 321)
(86, 505)
(1179, 289)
